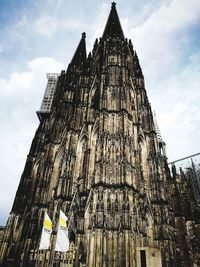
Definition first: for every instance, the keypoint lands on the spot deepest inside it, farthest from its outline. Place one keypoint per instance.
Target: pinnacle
(113, 26)
(79, 57)
(157, 128)
(83, 35)
(113, 4)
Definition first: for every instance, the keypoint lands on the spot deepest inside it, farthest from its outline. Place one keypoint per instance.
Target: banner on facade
(62, 239)
(46, 233)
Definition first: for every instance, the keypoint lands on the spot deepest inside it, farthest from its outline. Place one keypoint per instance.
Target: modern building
(45, 108)
(98, 156)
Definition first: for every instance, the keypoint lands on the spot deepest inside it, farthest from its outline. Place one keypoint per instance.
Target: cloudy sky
(40, 36)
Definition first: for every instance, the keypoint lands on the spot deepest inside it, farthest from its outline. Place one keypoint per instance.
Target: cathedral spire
(157, 128)
(113, 26)
(79, 58)
(162, 144)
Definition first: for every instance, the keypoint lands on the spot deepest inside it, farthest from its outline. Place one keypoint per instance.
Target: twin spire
(113, 29)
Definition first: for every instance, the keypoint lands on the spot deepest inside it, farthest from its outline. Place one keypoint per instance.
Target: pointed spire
(162, 144)
(138, 68)
(113, 26)
(79, 58)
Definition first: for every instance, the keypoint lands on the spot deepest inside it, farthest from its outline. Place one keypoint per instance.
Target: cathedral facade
(98, 157)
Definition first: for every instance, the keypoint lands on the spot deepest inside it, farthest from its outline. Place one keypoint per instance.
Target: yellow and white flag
(46, 232)
(62, 240)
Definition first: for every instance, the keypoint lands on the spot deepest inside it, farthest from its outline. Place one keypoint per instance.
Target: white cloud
(20, 97)
(29, 82)
(1, 49)
(161, 38)
(179, 112)
(162, 41)
(46, 26)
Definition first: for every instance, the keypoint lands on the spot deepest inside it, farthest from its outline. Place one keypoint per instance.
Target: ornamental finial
(113, 4)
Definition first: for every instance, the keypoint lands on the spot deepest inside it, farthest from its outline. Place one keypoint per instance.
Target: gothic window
(55, 174)
(95, 99)
(35, 171)
(150, 225)
(143, 157)
(84, 165)
(81, 160)
(92, 155)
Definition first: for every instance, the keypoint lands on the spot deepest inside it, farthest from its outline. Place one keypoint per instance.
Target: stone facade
(97, 157)
(1, 233)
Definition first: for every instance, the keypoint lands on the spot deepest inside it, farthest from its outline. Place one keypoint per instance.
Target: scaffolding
(47, 100)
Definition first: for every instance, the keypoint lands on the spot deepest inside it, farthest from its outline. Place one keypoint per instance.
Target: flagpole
(54, 241)
(38, 251)
(53, 258)
(53, 247)
(60, 240)
(36, 260)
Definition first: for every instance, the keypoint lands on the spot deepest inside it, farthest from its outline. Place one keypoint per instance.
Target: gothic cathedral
(98, 157)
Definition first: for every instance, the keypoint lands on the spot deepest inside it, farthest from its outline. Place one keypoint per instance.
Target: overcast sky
(40, 36)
